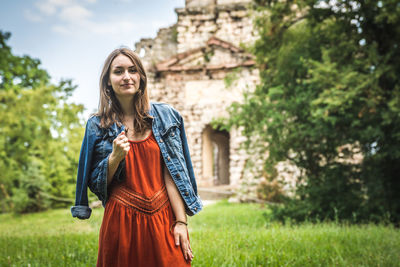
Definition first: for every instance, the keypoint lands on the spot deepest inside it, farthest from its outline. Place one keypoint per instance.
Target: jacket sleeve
(81, 208)
(98, 179)
(186, 154)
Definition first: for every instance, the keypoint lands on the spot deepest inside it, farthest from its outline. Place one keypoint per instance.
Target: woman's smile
(127, 85)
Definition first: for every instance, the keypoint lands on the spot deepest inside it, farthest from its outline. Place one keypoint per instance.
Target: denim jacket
(168, 130)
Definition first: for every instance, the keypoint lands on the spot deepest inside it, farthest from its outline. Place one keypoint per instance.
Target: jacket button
(178, 175)
(186, 193)
(195, 209)
(169, 159)
(161, 141)
(172, 134)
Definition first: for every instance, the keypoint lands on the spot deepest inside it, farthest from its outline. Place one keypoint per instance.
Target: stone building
(199, 67)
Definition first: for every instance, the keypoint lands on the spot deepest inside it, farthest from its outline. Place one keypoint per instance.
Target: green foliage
(271, 191)
(208, 54)
(231, 77)
(329, 102)
(174, 33)
(40, 134)
(26, 197)
(22, 70)
(223, 234)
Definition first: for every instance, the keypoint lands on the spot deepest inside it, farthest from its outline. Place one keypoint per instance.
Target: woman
(135, 158)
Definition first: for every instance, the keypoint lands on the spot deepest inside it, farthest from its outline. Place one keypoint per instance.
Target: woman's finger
(121, 136)
(176, 235)
(122, 142)
(190, 253)
(123, 139)
(185, 247)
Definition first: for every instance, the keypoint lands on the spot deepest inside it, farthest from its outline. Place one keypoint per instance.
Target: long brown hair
(110, 110)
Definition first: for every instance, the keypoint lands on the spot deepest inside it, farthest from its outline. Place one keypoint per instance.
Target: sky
(72, 38)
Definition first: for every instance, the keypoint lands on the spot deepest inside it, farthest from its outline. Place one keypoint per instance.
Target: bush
(27, 197)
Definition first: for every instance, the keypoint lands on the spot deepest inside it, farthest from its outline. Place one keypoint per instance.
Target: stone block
(239, 13)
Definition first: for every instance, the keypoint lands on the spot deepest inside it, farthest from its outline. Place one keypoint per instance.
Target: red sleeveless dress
(138, 214)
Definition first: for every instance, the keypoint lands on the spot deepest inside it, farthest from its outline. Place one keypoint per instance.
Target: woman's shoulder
(93, 125)
(166, 113)
(165, 108)
(161, 105)
(94, 120)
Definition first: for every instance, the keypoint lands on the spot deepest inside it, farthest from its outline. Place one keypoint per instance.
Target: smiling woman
(123, 81)
(135, 158)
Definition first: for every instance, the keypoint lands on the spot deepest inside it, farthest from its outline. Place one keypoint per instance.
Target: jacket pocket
(173, 140)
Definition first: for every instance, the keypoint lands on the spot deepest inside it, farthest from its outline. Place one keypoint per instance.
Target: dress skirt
(138, 215)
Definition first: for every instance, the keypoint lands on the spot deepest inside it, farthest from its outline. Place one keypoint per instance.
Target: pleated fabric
(138, 214)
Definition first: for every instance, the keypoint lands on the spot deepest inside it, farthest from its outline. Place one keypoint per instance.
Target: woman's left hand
(181, 238)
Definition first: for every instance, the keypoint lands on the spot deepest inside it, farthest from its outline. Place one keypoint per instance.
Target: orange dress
(138, 214)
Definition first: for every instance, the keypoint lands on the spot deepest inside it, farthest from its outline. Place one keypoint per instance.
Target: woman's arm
(180, 229)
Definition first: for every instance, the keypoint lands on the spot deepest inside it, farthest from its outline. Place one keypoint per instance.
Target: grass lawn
(222, 235)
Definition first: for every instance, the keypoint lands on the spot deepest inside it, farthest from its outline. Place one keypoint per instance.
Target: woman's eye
(132, 70)
(117, 72)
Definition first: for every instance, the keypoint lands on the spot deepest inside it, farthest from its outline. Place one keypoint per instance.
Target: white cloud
(87, 27)
(112, 27)
(123, 1)
(34, 17)
(75, 19)
(59, 2)
(74, 13)
(46, 8)
(61, 29)
(53, 7)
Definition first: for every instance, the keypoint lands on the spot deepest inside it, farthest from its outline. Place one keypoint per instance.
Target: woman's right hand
(121, 147)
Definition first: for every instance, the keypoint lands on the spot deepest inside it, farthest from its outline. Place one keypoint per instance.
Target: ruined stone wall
(229, 20)
(159, 48)
(199, 3)
(200, 99)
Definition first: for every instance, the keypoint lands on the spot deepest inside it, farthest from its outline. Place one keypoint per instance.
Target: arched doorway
(215, 156)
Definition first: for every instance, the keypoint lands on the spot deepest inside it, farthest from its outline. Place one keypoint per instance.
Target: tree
(329, 102)
(38, 134)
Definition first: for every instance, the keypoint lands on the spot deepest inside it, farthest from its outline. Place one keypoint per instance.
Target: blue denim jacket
(169, 131)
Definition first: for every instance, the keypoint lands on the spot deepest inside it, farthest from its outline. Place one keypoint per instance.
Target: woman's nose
(126, 75)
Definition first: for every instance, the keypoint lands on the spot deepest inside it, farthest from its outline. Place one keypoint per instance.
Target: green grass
(222, 235)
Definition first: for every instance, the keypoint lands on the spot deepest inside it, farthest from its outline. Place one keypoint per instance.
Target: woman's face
(124, 77)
